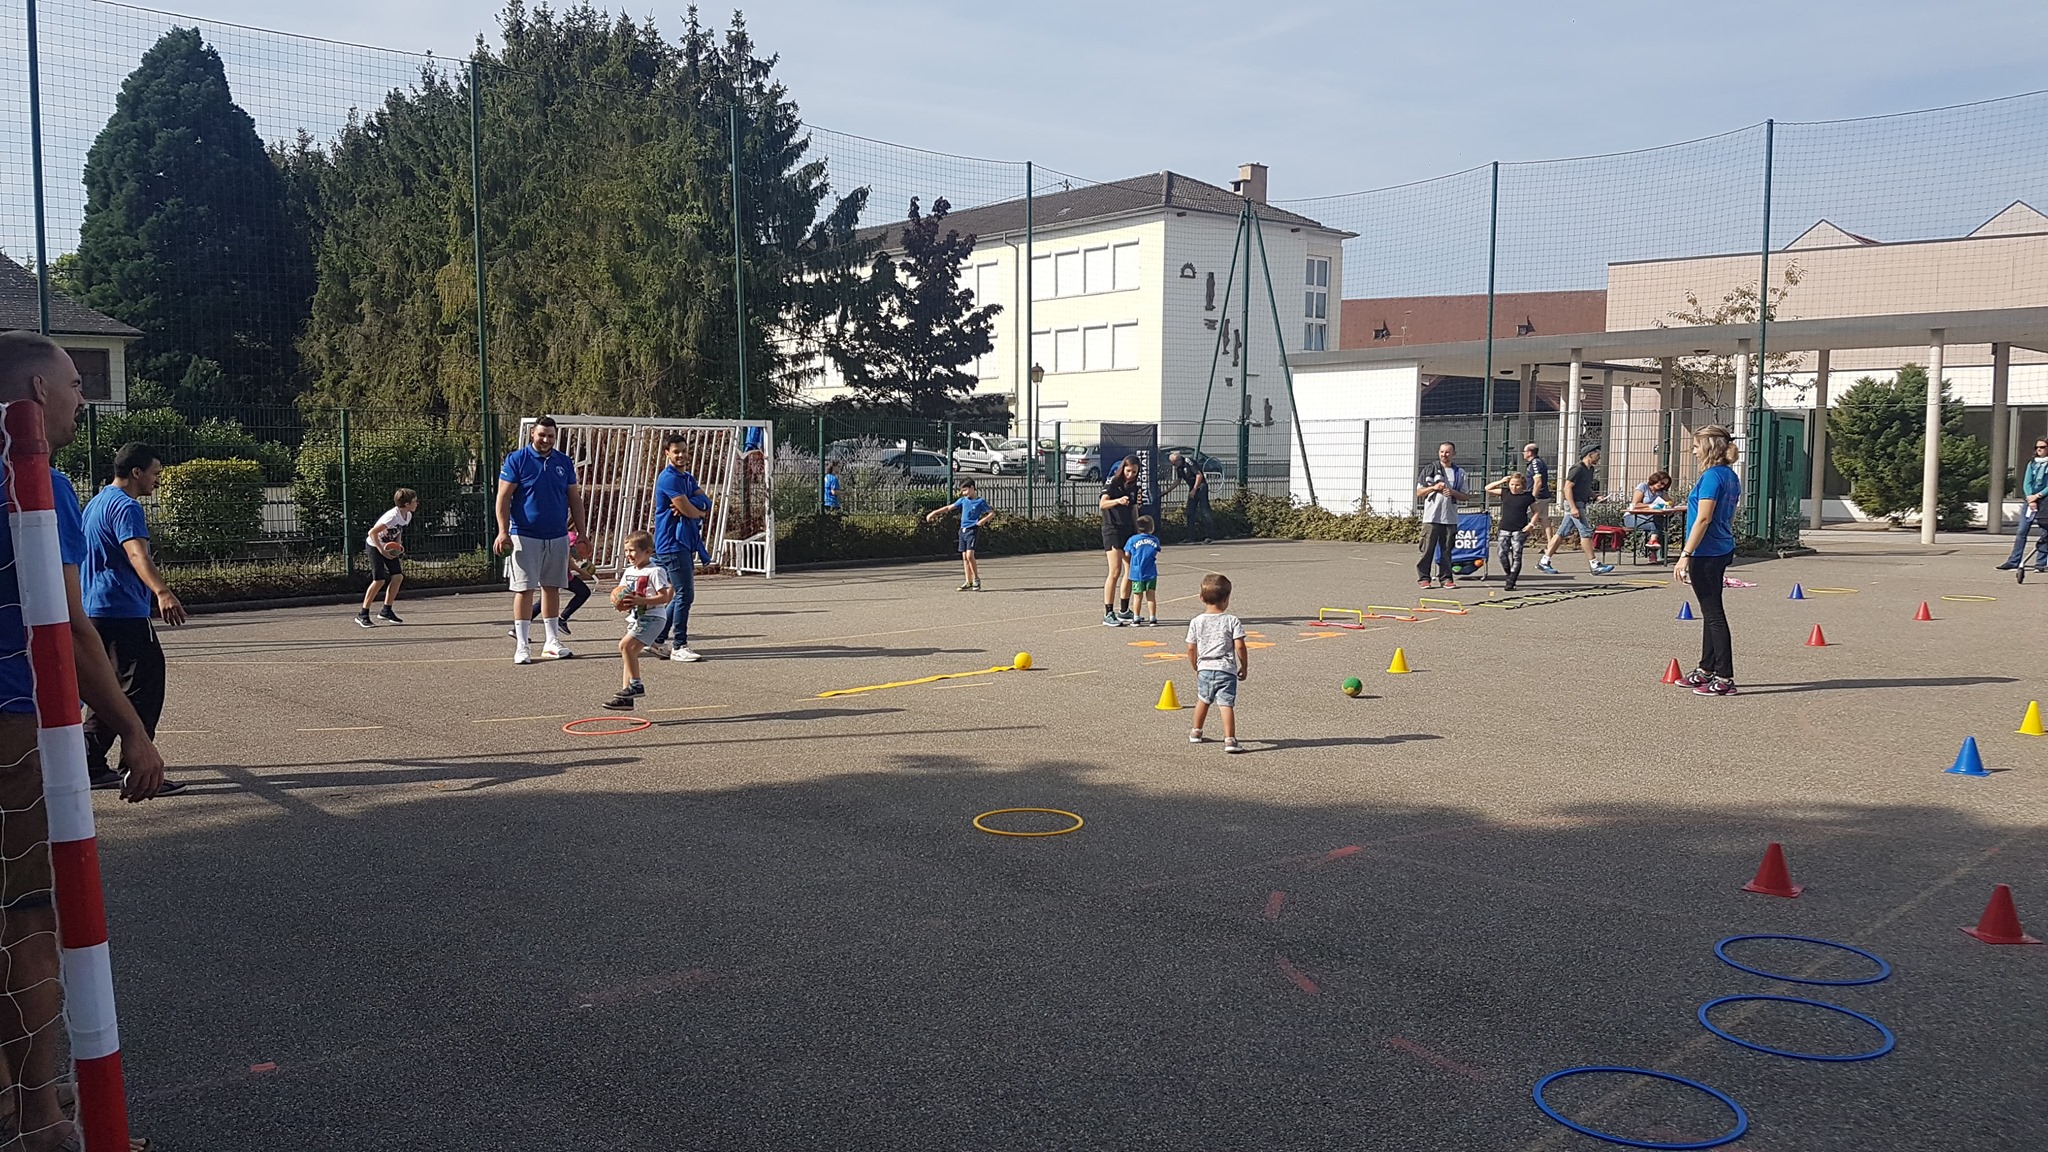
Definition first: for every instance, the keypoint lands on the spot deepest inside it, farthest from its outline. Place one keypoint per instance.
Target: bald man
(34, 368)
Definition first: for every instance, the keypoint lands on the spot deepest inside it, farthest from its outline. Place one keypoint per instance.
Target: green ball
(1353, 686)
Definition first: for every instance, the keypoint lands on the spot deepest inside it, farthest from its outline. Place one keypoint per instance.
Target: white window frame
(1315, 328)
(1123, 346)
(984, 284)
(1125, 275)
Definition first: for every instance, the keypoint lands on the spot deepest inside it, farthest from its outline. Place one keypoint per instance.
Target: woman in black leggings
(1709, 548)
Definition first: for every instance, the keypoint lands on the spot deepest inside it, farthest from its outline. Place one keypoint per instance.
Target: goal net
(618, 460)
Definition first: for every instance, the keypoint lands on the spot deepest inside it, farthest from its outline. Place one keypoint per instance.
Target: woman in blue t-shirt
(1709, 547)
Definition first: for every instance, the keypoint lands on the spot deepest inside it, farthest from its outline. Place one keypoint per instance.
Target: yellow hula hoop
(1972, 599)
(1049, 811)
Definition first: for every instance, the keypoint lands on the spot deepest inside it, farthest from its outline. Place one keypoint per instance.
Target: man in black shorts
(1119, 503)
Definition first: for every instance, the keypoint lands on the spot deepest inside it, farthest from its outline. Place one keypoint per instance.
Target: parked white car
(919, 466)
(977, 452)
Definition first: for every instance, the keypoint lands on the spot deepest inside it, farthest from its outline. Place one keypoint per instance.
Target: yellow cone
(1400, 664)
(2031, 726)
(1168, 702)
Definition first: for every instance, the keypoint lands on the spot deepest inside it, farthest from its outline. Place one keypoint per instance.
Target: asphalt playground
(401, 908)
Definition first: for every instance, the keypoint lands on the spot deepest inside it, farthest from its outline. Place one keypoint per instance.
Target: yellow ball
(1022, 662)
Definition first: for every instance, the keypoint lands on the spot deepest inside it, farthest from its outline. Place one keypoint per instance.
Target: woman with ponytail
(1708, 549)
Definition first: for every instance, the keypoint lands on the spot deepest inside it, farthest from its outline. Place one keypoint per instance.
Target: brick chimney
(1250, 182)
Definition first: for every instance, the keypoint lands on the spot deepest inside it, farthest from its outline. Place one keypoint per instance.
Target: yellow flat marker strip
(1971, 599)
(1649, 583)
(1089, 672)
(359, 728)
(1260, 644)
(909, 683)
(184, 732)
(513, 719)
(1850, 592)
(1393, 612)
(1145, 643)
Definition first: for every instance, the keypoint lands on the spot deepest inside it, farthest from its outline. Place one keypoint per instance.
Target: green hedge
(208, 508)
(175, 439)
(421, 455)
(282, 579)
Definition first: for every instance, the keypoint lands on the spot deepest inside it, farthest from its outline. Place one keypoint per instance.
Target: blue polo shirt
(671, 528)
(17, 683)
(541, 509)
(1721, 485)
(113, 589)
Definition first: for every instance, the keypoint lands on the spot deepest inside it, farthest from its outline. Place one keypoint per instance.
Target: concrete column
(1819, 462)
(1569, 454)
(1930, 462)
(1527, 404)
(1608, 464)
(1740, 431)
(2001, 375)
(1667, 411)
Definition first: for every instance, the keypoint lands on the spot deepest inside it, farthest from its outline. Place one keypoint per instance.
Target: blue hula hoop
(1733, 1134)
(1884, 970)
(1889, 1041)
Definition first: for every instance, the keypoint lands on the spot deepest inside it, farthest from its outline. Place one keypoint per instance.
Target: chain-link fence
(239, 226)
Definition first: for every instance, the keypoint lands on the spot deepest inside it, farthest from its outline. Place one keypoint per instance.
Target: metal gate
(1777, 477)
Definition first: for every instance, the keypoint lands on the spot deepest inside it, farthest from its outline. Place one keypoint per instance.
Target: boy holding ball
(385, 547)
(642, 586)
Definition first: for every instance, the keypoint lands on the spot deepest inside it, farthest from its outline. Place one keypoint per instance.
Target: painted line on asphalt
(357, 728)
(1273, 905)
(1296, 975)
(1403, 1044)
(512, 719)
(1089, 672)
(185, 732)
(693, 707)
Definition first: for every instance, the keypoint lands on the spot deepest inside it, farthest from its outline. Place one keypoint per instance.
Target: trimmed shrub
(825, 538)
(283, 579)
(208, 508)
(175, 438)
(421, 455)
(1278, 517)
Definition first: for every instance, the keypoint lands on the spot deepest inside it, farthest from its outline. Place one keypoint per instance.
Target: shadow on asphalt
(1894, 682)
(837, 960)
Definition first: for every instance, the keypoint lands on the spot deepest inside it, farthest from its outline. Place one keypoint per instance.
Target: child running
(387, 572)
(1216, 649)
(974, 512)
(1143, 549)
(642, 585)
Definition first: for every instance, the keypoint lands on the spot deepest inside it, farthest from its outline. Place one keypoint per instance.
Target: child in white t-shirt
(1216, 649)
(383, 546)
(643, 586)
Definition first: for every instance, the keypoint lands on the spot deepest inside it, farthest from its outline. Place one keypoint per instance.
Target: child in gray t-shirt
(1216, 651)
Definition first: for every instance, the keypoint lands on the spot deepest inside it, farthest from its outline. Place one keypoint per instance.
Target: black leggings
(1716, 652)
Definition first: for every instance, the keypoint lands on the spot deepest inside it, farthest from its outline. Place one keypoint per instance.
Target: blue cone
(1798, 593)
(1685, 610)
(1968, 762)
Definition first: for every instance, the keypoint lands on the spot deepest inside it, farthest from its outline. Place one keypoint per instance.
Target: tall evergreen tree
(911, 350)
(189, 236)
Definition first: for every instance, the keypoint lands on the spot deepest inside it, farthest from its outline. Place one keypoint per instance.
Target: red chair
(1609, 538)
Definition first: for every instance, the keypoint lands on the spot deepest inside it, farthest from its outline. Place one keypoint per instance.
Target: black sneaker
(562, 626)
(169, 787)
(363, 618)
(1109, 620)
(104, 778)
(622, 702)
(389, 617)
(2007, 567)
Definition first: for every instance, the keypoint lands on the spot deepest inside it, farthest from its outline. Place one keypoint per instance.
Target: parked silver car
(919, 466)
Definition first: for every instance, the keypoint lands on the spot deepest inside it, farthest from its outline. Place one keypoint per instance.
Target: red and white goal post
(618, 459)
(86, 971)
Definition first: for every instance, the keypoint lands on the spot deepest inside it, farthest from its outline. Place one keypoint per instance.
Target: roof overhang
(2024, 327)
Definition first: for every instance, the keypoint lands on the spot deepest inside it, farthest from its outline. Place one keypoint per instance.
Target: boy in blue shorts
(1143, 550)
(974, 512)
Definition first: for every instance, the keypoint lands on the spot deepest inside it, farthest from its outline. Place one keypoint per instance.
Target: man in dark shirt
(1581, 485)
(1190, 473)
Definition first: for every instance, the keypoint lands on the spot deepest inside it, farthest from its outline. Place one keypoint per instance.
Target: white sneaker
(520, 655)
(684, 656)
(557, 652)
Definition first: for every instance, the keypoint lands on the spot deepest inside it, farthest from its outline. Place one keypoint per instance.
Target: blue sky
(1335, 98)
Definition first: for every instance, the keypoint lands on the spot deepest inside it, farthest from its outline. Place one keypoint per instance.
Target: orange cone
(1672, 675)
(2000, 923)
(1773, 878)
(1923, 613)
(1816, 640)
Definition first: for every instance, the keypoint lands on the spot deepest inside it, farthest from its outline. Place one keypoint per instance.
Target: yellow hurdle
(1321, 612)
(1392, 612)
(1426, 601)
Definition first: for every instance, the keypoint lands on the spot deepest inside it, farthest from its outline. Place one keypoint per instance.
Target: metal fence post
(1486, 398)
(486, 428)
(949, 458)
(1030, 384)
(739, 293)
(821, 462)
(347, 553)
(35, 163)
(92, 445)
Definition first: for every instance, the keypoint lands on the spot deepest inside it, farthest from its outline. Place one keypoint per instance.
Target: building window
(1041, 350)
(95, 373)
(1097, 275)
(1041, 277)
(1123, 343)
(1066, 274)
(1066, 351)
(982, 281)
(1126, 266)
(1095, 355)
(1315, 306)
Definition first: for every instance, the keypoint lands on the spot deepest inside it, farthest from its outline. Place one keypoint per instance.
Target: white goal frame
(619, 457)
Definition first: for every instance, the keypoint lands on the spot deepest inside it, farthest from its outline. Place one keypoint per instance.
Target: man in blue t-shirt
(33, 367)
(539, 504)
(123, 589)
(680, 506)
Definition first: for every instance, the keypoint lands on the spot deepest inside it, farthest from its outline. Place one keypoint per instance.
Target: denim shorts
(1216, 687)
(648, 628)
(1570, 525)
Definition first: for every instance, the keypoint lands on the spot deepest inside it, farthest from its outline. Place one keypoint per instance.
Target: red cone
(1923, 613)
(2000, 923)
(1672, 675)
(1772, 877)
(1816, 640)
